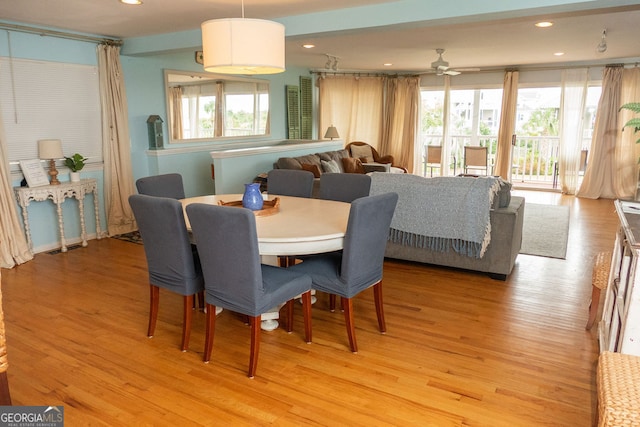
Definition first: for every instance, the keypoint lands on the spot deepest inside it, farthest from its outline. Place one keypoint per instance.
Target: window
(50, 100)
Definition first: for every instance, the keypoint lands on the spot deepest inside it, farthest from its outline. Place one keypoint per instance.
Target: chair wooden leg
(593, 307)
(5, 396)
(347, 306)
(289, 311)
(201, 300)
(154, 298)
(210, 328)
(186, 321)
(255, 344)
(377, 296)
(306, 307)
(332, 303)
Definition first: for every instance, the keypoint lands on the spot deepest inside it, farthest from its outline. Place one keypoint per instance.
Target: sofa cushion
(337, 155)
(330, 166)
(352, 165)
(288, 163)
(362, 151)
(314, 169)
(504, 195)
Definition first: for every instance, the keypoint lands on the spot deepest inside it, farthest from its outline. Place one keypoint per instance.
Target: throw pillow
(352, 165)
(365, 151)
(330, 166)
(312, 168)
(504, 194)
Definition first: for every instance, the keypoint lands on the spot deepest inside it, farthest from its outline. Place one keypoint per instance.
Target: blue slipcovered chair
(344, 187)
(171, 261)
(290, 182)
(167, 185)
(359, 265)
(234, 277)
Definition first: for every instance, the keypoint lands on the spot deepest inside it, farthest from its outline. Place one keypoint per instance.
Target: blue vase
(252, 198)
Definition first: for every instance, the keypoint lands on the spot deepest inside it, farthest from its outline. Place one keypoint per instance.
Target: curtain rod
(485, 70)
(362, 73)
(60, 34)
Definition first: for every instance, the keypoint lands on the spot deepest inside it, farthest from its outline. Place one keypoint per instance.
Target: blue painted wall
(144, 82)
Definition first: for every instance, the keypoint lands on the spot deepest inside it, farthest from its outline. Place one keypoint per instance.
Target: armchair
(359, 149)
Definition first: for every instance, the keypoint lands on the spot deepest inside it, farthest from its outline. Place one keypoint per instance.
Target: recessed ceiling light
(559, 53)
(544, 24)
(387, 64)
(131, 1)
(308, 46)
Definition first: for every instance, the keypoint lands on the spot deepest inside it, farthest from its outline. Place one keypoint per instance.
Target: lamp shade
(50, 149)
(243, 46)
(332, 132)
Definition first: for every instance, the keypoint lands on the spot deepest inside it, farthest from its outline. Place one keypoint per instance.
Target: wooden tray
(269, 207)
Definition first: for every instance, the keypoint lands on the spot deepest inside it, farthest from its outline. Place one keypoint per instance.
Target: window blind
(50, 100)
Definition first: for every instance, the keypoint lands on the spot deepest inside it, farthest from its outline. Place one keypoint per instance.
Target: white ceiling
(478, 42)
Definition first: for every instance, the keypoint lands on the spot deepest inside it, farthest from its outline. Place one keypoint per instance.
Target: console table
(619, 329)
(57, 194)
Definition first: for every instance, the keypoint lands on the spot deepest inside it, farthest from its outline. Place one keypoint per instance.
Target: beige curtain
(507, 124)
(401, 116)
(574, 95)
(353, 105)
(13, 243)
(118, 177)
(612, 170)
(175, 111)
(220, 107)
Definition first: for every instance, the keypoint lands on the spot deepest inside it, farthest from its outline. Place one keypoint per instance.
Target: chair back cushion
(226, 237)
(366, 240)
(289, 182)
(167, 185)
(344, 187)
(170, 257)
(362, 151)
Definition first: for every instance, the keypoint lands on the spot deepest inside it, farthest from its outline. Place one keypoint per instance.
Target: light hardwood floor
(461, 348)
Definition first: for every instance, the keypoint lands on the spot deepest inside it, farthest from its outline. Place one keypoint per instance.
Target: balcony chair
(476, 158)
(290, 182)
(234, 278)
(171, 260)
(167, 185)
(344, 187)
(359, 265)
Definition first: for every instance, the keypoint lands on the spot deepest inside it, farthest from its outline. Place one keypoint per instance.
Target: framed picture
(34, 173)
(199, 57)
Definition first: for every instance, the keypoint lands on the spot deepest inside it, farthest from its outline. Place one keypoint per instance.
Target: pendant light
(243, 46)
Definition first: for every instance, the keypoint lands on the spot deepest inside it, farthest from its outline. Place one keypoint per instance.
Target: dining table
(298, 226)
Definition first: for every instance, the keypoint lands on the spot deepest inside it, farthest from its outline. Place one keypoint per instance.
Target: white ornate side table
(57, 194)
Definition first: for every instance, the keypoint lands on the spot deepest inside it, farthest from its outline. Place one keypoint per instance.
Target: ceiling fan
(441, 67)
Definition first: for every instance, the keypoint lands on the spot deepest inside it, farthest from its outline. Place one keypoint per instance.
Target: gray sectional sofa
(506, 219)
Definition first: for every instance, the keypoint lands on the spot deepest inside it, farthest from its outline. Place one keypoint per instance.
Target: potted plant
(634, 122)
(75, 164)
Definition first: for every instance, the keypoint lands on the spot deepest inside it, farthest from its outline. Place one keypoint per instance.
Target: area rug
(133, 237)
(545, 231)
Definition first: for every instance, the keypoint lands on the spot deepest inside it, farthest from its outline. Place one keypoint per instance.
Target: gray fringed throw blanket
(440, 213)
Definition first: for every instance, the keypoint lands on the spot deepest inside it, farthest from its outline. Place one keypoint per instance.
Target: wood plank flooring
(461, 349)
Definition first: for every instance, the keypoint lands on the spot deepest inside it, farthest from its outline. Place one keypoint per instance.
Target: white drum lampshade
(243, 46)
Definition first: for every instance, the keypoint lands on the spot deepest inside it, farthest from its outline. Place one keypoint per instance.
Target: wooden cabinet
(619, 329)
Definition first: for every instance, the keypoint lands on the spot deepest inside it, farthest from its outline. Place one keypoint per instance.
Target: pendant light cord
(242, 9)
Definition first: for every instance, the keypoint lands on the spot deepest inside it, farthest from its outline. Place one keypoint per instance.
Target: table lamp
(51, 149)
(332, 132)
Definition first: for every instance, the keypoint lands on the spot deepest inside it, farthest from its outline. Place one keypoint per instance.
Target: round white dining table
(300, 226)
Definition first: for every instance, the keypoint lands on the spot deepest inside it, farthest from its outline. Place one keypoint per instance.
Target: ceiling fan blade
(451, 72)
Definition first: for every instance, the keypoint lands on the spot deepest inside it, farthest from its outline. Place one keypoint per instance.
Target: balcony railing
(533, 158)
